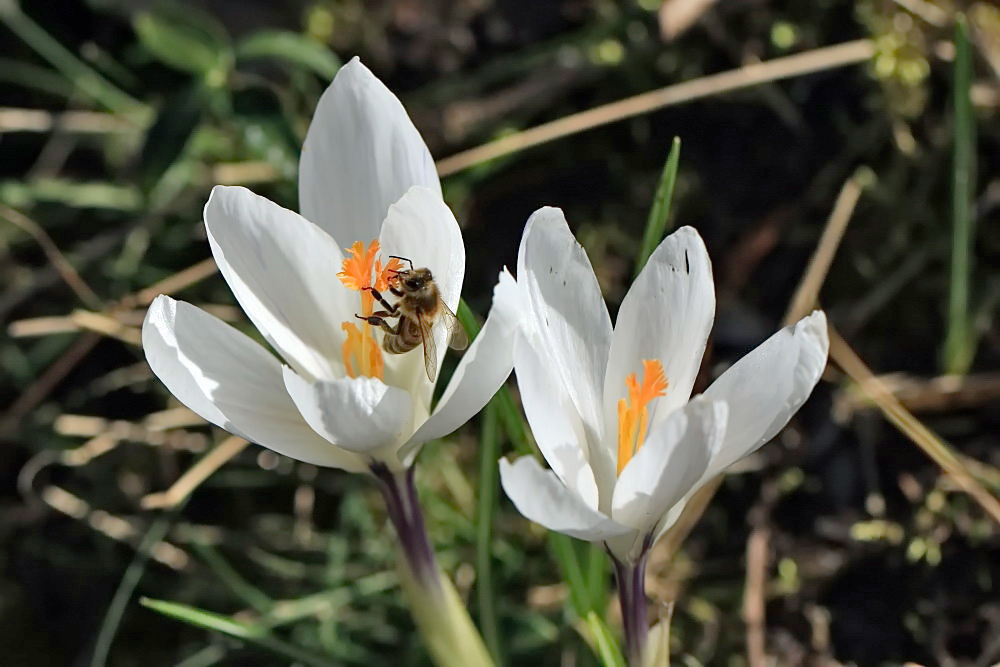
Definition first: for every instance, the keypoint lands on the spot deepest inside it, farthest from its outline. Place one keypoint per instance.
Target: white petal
(554, 422)
(360, 155)
(540, 496)
(283, 271)
(671, 517)
(767, 386)
(568, 312)
(668, 464)
(484, 367)
(422, 228)
(666, 315)
(361, 415)
(232, 382)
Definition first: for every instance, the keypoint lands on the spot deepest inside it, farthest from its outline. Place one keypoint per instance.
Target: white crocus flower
(611, 408)
(367, 184)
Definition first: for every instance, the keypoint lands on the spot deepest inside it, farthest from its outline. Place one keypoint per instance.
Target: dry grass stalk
(817, 60)
(55, 256)
(755, 595)
(807, 293)
(73, 122)
(936, 448)
(677, 16)
(111, 526)
(196, 474)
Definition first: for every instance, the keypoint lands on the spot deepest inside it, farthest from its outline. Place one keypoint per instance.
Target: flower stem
(632, 596)
(403, 506)
(442, 619)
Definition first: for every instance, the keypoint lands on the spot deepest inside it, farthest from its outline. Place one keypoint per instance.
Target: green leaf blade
(207, 620)
(291, 47)
(166, 139)
(253, 634)
(659, 214)
(184, 39)
(489, 449)
(959, 344)
(604, 642)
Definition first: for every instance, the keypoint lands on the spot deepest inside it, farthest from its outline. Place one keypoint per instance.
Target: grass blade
(250, 633)
(598, 571)
(468, 320)
(291, 47)
(659, 214)
(507, 410)
(232, 579)
(563, 549)
(75, 70)
(489, 451)
(604, 642)
(133, 574)
(958, 344)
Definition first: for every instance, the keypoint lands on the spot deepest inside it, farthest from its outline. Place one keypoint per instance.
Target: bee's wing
(430, 347)
(457, 339)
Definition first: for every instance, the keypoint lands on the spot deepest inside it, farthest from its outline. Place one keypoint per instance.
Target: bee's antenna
(405, 259)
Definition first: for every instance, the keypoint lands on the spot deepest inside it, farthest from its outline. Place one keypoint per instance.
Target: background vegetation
(841, 542)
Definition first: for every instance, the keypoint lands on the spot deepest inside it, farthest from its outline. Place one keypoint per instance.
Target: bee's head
(415, 279)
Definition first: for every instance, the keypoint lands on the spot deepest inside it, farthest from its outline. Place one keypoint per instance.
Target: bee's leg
(378, 320)
(381, 299)
(397, 292)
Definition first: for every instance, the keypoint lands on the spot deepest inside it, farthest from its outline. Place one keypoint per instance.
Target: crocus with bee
(611, 407)
(327, 393)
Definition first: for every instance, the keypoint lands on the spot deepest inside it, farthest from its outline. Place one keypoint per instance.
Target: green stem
(489, 447)
(444, 623)
(632, 596)
(958, 347)
(442, 619)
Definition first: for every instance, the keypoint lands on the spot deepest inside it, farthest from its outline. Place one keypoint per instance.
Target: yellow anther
(633, 413)
(356, 273)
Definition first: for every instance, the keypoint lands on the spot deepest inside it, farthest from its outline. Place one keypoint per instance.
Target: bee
(420, 311)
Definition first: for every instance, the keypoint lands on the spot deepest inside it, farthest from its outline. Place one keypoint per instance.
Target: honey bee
(421, 311)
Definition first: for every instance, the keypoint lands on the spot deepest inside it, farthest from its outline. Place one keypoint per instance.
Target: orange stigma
(633, 413)
(356, 274)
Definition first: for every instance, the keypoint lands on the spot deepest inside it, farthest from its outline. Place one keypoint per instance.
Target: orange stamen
(356, 274)
(633, 412)
(383, 275)
(356, 271)
(352, 348)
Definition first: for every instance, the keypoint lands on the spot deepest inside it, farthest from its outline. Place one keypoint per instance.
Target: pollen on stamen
(633, 413)
(356, 271)
(654, 381)
(382, 275)
(361, 353)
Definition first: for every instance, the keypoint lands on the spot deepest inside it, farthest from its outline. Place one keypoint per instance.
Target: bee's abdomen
(407, 338)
